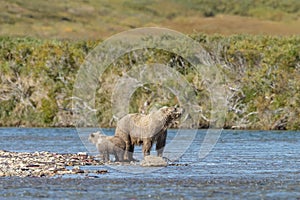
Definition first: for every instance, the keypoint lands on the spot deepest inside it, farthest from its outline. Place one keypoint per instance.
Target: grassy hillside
(255, 43)
(263, 73)
(95, 19)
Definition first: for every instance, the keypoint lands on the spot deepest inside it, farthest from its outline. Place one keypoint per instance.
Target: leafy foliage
(262, 81)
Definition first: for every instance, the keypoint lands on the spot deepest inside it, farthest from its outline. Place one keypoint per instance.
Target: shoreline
(173, 128)
(45, 164)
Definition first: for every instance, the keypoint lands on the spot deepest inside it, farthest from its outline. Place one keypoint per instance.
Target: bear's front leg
(161, 142)
(147, 144)
(105, 156)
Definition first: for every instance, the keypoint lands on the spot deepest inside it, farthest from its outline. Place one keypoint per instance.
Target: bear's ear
(164, 109)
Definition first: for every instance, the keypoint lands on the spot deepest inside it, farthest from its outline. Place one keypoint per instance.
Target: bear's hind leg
(115, 152)
(130, 153)
(121, 155)
(147, 144)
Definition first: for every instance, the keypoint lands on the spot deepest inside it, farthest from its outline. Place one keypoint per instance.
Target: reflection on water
(243, 164)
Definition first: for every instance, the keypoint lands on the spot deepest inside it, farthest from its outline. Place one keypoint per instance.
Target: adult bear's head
(170, 113)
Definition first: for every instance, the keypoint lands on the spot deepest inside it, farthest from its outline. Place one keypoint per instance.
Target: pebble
(43, 164)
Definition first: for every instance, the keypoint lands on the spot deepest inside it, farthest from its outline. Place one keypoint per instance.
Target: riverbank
(45, 164)
(242, 165)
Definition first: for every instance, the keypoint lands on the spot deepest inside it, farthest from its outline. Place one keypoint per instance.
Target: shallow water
(243, 164)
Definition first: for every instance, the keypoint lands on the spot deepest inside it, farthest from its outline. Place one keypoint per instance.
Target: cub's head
(93, 137)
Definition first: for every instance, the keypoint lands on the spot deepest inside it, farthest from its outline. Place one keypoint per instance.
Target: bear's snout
(178, 112)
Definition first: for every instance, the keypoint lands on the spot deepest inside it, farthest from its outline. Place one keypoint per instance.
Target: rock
(82, 155)
(103, 171)
(77, 170)
(153, 161)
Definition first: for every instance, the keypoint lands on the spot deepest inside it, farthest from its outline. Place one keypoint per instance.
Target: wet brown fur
(108, 145)
(139, 129)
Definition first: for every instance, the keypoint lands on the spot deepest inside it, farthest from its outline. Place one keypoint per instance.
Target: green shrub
(49, 110)
(37, 77)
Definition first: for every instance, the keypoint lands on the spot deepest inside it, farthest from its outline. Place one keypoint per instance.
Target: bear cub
(108, 145)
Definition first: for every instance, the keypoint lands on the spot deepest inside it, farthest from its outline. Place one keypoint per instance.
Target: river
(242, 164)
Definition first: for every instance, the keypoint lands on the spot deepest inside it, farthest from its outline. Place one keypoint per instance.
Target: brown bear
(139, 129)
(107, 145)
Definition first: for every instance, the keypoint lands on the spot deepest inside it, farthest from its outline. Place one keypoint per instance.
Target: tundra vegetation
(262, 80)
(254, 44)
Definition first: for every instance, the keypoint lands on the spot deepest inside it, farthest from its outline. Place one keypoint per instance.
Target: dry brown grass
(221, 24)
(95, 19)
(225, 24)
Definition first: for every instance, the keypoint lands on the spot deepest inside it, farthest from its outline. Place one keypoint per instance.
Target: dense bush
(262, 81)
